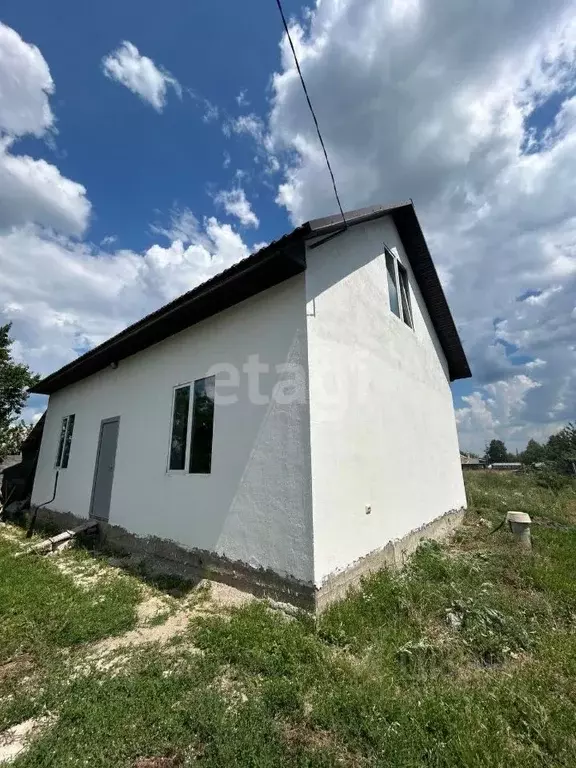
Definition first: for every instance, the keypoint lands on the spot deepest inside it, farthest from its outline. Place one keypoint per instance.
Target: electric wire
(279, 4)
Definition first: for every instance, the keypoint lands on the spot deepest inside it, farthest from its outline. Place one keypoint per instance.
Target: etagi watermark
(290, 385)
(287, 383)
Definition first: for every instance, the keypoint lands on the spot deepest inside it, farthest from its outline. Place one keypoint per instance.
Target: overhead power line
(279, 4)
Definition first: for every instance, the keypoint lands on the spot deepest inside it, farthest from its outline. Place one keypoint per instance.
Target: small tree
(15, 380)
(495, 452)
(533, 453)
(561, 449)
(11, 439)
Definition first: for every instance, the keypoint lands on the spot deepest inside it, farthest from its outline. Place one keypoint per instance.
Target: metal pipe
(30, 530)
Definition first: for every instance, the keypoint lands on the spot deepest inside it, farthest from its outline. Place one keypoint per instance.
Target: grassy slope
(466, 658)
(42, 609)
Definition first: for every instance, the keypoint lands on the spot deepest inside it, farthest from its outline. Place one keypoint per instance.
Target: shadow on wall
(270, 512)
(264, 486)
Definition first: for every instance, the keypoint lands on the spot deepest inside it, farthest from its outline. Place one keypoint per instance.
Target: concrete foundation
(154, 556)
(393, 555)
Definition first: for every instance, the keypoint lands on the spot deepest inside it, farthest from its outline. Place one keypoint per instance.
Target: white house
(265, 426)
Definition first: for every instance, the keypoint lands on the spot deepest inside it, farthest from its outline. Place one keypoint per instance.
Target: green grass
(42, 609)
(465, 658)
(493, 494)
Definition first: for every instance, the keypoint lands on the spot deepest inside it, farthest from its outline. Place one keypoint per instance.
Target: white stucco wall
(383, 431)
(255, 506)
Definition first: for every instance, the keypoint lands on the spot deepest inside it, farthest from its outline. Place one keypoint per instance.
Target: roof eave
(270, 266)
(410, 232)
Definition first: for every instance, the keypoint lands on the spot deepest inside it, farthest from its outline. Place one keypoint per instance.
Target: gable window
(398, 289)
(405, 296)
(392, 283)
(196, 420)
(65, 442)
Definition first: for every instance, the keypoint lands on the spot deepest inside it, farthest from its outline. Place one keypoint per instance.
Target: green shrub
(552, 479)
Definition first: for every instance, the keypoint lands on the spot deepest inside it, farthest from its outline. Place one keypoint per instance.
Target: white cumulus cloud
(435, 101)
(140, 75)
(498, 411)
(235, 203)
(64, 296)
(25, 86)
(32, 190)
(242, 100)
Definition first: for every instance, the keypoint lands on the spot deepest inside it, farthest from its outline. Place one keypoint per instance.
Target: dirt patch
(159, 633)
(18, 667)
(157, 762)
(16, 739)
(112, 653)
(85, 575)
(302, 736)
(220, 597)
(153, 608)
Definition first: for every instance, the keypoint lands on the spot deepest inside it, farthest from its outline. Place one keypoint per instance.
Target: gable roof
(270, 266)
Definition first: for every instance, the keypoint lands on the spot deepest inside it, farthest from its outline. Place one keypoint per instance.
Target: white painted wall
(383, 431)
(289, 482)
(255, 506)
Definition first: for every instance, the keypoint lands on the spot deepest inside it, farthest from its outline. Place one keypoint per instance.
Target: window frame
(194, 430)
(404, 286)
(189, 430)
(182, 471)
(389, 257)
(64, 446)
(399, 271)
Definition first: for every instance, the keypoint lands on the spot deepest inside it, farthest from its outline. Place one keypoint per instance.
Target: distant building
(9, 461)
(471, 462)
(506, 466)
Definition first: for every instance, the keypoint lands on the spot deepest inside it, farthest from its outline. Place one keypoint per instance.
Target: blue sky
(150, 185)
(137, 164)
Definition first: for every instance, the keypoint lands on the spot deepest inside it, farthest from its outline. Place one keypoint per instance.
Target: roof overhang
(270, 266)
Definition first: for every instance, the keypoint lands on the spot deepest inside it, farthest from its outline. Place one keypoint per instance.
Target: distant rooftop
(10, 461)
